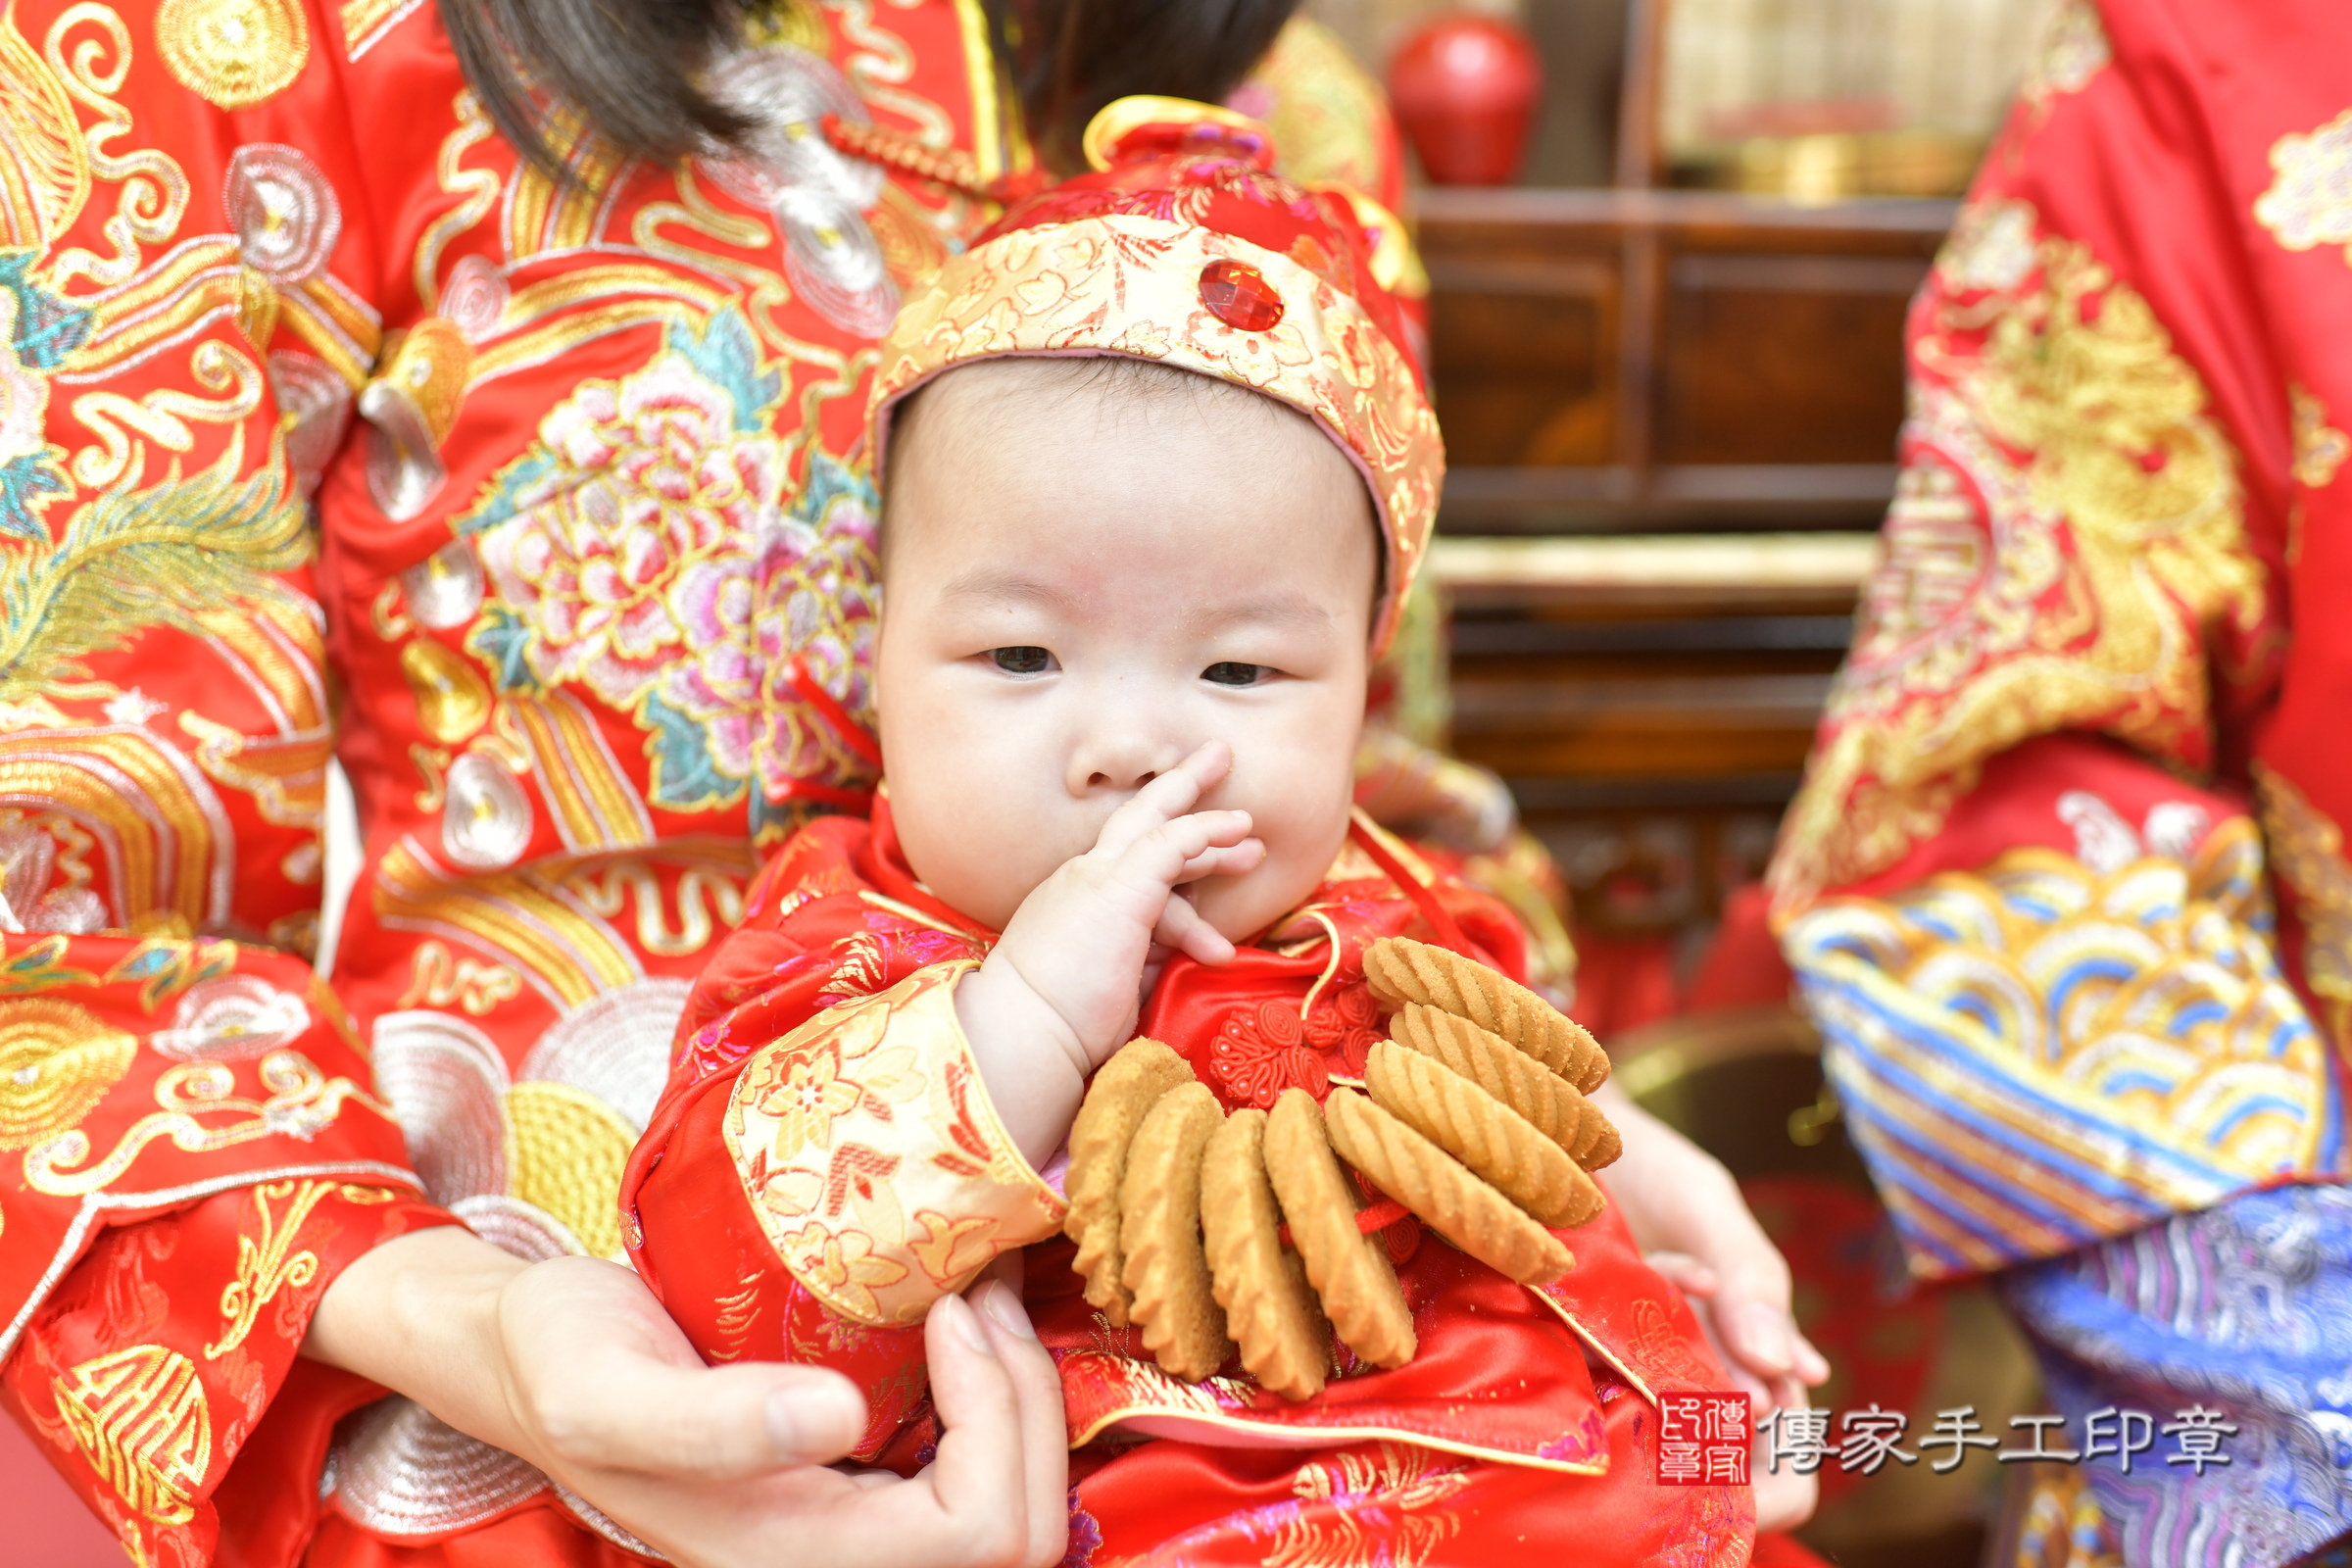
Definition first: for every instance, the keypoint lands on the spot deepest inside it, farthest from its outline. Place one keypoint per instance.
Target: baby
(1157, 476)
(1108, 579)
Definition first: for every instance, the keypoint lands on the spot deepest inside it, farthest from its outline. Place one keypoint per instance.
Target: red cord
(855, 735)
(1441, 922)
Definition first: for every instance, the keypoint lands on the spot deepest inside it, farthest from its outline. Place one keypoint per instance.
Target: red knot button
(1240, 296)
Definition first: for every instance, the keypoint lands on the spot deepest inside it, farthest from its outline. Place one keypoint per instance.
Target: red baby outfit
(825, 1163)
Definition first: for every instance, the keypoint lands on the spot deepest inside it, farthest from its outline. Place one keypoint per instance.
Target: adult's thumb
(717, 1423)
(814, 1416)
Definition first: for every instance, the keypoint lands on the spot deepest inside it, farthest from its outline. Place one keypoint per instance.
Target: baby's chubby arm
(1060, 991)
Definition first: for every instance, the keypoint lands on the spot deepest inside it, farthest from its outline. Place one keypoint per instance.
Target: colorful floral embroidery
(841, 1268)
(2320, 447)
(804, 1099)
(2073, 52)
(642, 550)
(38, 331)
(858, 1134)
(623, 393)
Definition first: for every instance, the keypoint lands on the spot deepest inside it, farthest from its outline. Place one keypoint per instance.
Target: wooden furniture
(1623, 359)
(1671, 422)
(1671, 418)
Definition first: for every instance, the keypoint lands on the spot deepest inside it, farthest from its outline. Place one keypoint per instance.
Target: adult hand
(1784, 1497)
(572, 1364)
(1685, 1213)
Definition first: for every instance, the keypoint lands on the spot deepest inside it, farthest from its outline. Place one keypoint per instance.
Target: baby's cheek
(1300, 845)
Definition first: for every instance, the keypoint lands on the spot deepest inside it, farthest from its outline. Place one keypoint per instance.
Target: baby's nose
(1122, 760)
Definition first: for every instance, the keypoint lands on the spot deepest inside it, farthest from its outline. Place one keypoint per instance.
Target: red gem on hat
(1240, 296)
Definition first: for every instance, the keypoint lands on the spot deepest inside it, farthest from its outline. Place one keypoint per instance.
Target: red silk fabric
(1524, 1410)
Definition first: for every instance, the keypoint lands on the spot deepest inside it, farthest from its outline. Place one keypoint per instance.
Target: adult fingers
(716, 1423)
(979, 1476)
(1783, 1500)
(1684, 1272)
(1045, 1426)
(1812, 1367)
(1758, 1334)
(1759, 1393)
(1011, 1269)
(598, 1375)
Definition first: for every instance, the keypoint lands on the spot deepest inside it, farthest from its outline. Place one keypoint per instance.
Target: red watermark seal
(1703, 1439)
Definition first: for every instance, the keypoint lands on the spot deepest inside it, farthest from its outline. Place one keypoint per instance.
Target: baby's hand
(1060, 991)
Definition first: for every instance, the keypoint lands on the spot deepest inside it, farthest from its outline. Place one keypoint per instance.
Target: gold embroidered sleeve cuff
(873, 1160)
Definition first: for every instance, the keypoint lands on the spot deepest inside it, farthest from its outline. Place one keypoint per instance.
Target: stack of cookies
(1212, 1232)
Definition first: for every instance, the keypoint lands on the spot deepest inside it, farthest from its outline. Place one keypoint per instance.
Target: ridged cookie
(1399, 970)
(1549, 1103)
(1350, 1272)
(1483, 1133)
(1270, 1308)
(1123, 1089)
(1448, 1198)
(1163, 1267)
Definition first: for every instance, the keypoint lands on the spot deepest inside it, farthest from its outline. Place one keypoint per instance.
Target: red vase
(1465, 89)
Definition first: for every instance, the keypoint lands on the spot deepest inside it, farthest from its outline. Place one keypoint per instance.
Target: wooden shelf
(1641, 360)
(1671, 419)
(1689, 210)
(1720, 573)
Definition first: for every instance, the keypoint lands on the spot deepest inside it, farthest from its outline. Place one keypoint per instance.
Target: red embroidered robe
(326, 427)
(2093, 720)
(825, 1163)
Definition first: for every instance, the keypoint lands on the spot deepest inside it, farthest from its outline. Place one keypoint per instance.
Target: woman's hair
(1068, 58)
(631, 69)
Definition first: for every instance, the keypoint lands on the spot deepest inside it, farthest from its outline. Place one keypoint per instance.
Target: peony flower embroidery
(648, 549)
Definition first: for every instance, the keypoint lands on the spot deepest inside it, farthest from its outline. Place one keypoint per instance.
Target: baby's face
(1085, 582)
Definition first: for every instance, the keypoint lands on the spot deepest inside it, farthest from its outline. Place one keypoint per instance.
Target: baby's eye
(1232, 672)
(1021, 660)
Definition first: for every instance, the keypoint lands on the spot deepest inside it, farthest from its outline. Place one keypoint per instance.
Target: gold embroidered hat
(1183, 246)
